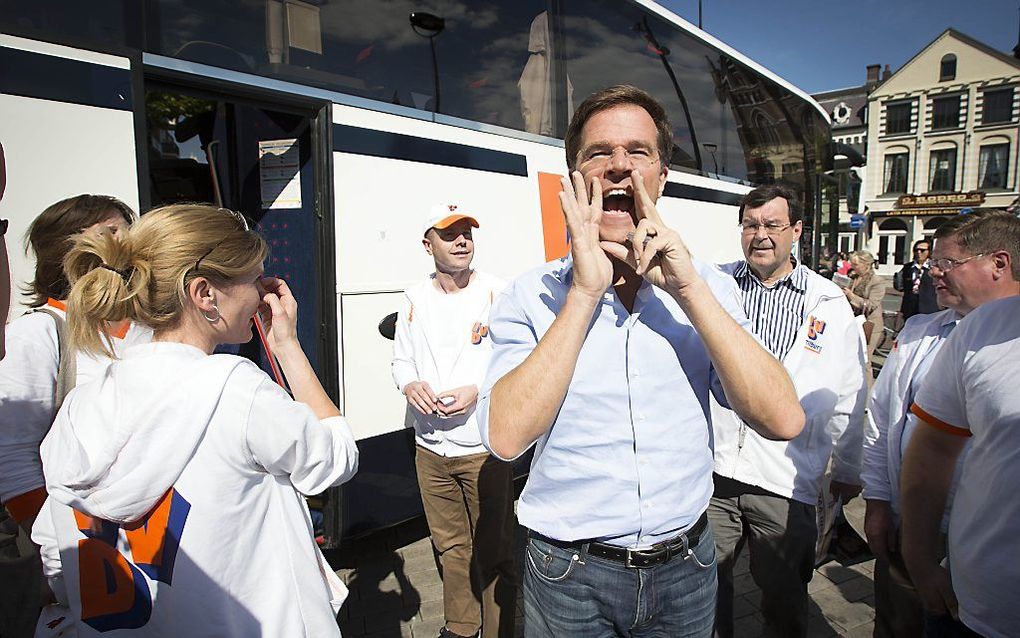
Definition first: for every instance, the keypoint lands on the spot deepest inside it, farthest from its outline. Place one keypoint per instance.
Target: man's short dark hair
(765, 194)
(619, 95)
(919, 242)
(986, 232)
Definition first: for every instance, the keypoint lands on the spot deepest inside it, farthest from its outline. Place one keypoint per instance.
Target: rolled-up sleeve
(513, 339)
(285, 439)
(726, 292)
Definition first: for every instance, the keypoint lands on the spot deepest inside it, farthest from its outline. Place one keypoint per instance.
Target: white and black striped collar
(796, 280)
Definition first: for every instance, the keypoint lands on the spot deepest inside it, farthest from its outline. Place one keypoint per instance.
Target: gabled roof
(966, 39)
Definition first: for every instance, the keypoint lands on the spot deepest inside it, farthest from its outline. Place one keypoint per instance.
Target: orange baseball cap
(444, 215)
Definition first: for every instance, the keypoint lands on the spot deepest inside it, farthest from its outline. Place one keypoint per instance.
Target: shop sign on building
(973, 198)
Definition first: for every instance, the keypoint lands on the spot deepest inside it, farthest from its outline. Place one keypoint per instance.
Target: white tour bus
(336, 124)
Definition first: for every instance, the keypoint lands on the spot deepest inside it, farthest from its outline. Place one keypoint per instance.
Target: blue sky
(820, 45)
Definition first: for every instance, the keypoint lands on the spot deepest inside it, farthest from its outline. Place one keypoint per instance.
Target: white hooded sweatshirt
(175, 505)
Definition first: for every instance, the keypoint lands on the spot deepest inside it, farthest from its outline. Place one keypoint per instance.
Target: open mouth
(618, 201)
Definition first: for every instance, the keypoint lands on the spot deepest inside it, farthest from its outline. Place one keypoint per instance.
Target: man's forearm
(925, 479)
(757, 386)
(525, 401)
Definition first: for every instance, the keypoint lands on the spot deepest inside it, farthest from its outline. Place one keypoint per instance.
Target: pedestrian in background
(963, 282)
(440, 353)
(766, 490)
(915, 282)
(194, 462)
(865, 294)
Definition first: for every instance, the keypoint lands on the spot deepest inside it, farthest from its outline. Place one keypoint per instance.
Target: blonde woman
(176, 478)
(865, 295)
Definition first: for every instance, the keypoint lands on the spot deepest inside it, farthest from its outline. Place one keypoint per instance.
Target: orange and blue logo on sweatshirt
(114, 591)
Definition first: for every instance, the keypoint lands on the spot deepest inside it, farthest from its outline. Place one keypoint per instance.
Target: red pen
(261, 329)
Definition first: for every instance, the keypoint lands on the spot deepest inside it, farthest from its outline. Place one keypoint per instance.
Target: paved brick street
(396, 591)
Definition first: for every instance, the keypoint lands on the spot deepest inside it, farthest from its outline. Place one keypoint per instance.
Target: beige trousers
(468, 503)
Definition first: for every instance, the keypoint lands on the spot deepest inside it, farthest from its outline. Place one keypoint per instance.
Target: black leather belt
(657, 554)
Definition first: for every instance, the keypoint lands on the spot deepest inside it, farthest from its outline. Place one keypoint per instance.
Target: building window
(942, 171)
(897, 118)
(997, 106)
(947, 68)
(892, 242)
(993, 166)
(895, 176)
(945, 112)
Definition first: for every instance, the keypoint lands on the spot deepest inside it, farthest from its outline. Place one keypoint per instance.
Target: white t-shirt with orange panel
(972, 390)
(28, 378)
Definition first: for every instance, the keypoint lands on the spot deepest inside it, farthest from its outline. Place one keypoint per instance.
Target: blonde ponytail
(106, 287)
(143, 277)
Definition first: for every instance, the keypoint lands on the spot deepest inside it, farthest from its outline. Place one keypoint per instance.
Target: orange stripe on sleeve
(938, 424)
(27, 505)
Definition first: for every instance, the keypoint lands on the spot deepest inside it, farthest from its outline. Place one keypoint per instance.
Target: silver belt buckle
(627, 561)
(686, 546)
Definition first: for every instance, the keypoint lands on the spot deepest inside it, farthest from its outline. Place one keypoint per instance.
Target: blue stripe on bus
(701, 194)
(48, 77)
(363, 141)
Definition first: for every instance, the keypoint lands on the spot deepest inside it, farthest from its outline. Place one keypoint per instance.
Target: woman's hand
(278, 313)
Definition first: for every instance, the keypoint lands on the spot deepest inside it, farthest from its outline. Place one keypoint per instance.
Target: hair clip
(124, 274)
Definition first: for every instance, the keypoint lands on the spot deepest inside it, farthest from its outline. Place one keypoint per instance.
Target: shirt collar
(796, 280)
(950, 317)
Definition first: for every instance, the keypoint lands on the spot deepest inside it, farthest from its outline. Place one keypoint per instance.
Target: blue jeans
(569, 593)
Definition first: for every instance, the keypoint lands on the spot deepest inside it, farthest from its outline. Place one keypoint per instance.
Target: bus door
(262, 160)
(67, 128)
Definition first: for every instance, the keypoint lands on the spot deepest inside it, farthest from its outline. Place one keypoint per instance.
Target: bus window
(369, 49)
(728, 120)
(103, 25)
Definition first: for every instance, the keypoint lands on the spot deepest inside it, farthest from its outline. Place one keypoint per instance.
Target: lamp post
(429, 26)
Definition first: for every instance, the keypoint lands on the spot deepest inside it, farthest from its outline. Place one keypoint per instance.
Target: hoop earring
(212, 319)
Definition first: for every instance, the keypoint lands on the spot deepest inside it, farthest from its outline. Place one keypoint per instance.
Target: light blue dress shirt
(628, 459)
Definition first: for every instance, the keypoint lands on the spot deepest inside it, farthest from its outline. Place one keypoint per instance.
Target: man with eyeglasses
(971, 266)
(916, 284)
(766, 490)
(604, 361)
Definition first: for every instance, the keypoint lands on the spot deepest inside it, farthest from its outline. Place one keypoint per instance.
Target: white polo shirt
(971, 390)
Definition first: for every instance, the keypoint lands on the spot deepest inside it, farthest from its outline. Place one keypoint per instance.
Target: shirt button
(648, 505)
(635, 374)
(640, 417)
